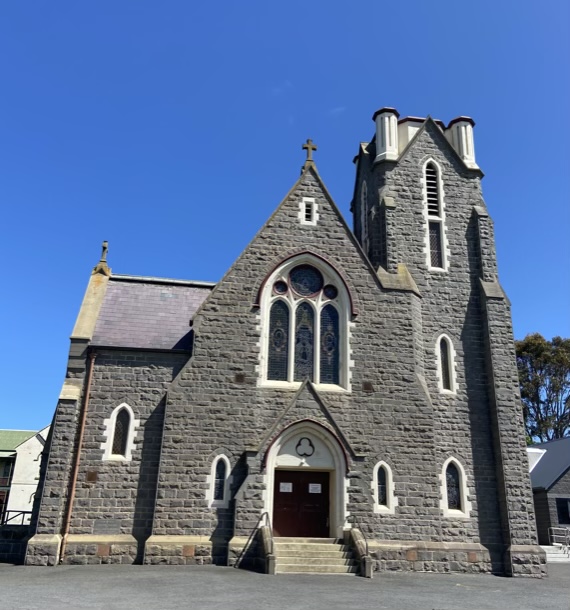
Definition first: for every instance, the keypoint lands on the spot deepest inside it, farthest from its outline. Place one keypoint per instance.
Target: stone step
(314, 546)
(312, 553)
(283, 540)
(316, 569)
(558, 559)
(315, 561)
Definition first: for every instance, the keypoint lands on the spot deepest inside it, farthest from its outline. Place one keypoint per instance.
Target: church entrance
(301, 504)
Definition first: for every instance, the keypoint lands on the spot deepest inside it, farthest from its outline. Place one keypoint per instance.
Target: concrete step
(312, 553)
(558, 559)
(315, 561)
(279, 540)
(316, 569)
(302, 546)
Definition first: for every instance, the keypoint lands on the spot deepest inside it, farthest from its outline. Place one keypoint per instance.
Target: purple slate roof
(150, 313)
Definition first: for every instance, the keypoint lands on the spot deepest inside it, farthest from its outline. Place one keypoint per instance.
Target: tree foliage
(544, 375)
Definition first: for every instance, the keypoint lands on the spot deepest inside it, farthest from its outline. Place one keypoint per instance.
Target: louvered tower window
(435, 224)
(121, 433)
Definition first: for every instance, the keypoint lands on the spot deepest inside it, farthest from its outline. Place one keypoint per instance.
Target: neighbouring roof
(10, 439)
(552, 465)
(148, 313)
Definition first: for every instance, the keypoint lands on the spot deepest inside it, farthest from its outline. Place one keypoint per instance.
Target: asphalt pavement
(123, 587)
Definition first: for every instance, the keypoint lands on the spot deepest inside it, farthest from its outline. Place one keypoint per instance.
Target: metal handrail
(16, 513)
(555, 533)
(355, 520)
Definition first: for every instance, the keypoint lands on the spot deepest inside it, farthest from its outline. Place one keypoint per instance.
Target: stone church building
(340, 401)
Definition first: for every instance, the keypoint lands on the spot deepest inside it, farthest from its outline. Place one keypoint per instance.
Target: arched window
(445, 364)
(220, 480)
(218, 490)
(454, 493)
(121, 432)
(383, 489)
(453, 483)
(306, 336)
(435, 219)
(381, 486)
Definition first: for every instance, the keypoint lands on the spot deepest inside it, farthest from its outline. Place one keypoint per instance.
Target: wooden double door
(301, 504)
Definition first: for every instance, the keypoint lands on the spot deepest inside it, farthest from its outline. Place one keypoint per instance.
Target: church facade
(333, 385)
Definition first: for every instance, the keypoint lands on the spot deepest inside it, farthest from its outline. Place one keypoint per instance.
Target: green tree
(544, 375)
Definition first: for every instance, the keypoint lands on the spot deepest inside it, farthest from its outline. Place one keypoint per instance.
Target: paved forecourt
(127, 587)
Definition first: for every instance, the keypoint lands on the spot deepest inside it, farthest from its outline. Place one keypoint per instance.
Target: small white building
(20, 458)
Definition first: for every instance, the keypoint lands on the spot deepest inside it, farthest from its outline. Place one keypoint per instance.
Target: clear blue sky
(173, 129)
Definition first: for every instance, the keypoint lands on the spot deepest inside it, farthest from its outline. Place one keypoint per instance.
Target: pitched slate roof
(149, 313)
(552, 465)
(10, 439)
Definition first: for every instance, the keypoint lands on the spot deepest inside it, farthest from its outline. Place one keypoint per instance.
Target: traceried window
(307, 325)
(433, 198)
(121, 432)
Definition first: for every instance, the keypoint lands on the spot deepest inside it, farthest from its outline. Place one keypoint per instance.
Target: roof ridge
(147, 279)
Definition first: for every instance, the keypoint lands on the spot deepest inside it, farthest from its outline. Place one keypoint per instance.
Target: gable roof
(10, 439)
(148, 313)
(552, 465)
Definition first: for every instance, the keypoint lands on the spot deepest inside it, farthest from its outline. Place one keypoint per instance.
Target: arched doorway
(306, 483)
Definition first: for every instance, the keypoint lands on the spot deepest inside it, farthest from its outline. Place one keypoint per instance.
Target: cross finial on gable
(102, 266)
(309, 147)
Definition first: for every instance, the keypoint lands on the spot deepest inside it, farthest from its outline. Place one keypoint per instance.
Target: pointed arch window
(121, 433)
(446, 364)
(306, 335)
(383, 489)
(435, 220)
(454, 493)
(219, 480)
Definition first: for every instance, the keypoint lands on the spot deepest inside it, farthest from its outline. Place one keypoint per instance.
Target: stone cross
(309, 147)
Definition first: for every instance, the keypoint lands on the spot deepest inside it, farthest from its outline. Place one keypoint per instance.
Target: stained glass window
(121, 433)
(330, 291)
(381, 485)
(445, 364)
(306, 280)
(304, 341)
(453, 490)
(278, 342)
(435, 248)
(220, 482)
(329, 371)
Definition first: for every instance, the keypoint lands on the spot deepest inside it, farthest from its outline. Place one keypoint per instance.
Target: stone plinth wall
(184, 550)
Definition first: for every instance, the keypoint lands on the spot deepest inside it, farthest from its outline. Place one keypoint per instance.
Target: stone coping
(100, 539)
(405, 545)
(179, 540)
